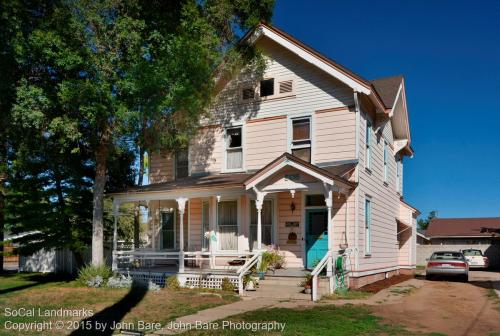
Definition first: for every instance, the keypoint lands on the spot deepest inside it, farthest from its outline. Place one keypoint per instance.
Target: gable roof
(388, 88)
(348, 77)
(287, 157)
(462, 227)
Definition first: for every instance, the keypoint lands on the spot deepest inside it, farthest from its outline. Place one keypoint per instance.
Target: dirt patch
(386, 283)
(450, 308)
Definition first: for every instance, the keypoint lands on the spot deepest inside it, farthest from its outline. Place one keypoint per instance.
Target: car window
(447, 255)
(472, 253)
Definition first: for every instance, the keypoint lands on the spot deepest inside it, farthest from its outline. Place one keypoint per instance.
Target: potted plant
(249, 282)
(307, 283)
(262, 269)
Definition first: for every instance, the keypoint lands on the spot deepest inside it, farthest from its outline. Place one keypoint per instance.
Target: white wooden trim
(328, 68)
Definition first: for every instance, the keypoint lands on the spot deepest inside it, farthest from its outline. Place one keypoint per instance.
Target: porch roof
(194, 182)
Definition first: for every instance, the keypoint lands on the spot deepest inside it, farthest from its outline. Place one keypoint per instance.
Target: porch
(207, 228)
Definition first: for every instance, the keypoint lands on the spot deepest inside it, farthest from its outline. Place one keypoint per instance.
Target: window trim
(275, 95)
(310, 145)
(243, 87)
(226, 148)
(203, 202)
(368, 226)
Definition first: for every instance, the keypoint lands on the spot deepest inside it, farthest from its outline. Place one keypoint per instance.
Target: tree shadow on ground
(103, 322)
(37, 279)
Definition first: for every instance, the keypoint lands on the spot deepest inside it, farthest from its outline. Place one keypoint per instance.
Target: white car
(475, 258)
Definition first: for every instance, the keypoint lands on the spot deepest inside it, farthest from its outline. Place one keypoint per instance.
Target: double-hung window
(368, 144)
(205, 227)
(386, 158)
(266, 222)
(181, 163)
(227, 213)
(234, 148)
(267, 87)
(368, 226)
(301, 138)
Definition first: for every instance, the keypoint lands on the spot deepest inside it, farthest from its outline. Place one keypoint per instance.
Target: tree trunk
(3, 178)
(101, 156)
(140, 181)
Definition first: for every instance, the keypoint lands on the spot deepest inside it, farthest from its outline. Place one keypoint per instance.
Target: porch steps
(280, 287)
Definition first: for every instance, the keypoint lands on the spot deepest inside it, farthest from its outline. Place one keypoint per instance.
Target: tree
(114, 75)
(424, 223)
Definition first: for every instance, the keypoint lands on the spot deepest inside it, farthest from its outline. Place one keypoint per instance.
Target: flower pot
(261, 275)
(307, 290)
(250, 286)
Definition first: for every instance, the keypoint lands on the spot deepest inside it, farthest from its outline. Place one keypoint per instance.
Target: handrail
(327, 260)
(245, 268)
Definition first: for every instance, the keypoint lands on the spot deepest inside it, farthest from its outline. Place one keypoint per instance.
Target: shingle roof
(387, 88)
(196, 182)
(462, 227)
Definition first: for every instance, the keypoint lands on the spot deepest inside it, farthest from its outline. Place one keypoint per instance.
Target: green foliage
(307, 282)
(90, 272)
(262, 267)
(227, 285)
(172, 282)
(423, 223)
(273, 259)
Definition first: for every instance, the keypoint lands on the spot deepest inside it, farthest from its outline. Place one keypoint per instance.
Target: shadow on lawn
(37, 279)
(103, 321)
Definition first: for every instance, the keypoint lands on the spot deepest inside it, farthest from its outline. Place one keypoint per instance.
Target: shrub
(227, 285)
(94, 276)
(121, 281)
(153, 287)
(172, 282)
(273, 259)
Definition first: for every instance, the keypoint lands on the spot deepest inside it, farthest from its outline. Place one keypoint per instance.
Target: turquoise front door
(316, 236)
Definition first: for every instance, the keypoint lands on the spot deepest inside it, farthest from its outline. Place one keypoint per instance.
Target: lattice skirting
(144, 277)
(208, 281)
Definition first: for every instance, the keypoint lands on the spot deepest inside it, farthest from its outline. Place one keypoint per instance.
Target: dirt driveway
(449, 307)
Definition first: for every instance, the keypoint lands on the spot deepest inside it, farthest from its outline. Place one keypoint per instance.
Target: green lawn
(34, 291)
(346, 320)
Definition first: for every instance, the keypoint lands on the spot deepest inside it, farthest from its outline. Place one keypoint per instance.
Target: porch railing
(243, 270)
(327, 262)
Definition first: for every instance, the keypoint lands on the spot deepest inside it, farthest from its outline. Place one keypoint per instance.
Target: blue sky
(449, 53)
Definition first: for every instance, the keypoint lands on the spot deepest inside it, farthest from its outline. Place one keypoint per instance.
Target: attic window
(267, 87)
(247, 93)
(286, 86)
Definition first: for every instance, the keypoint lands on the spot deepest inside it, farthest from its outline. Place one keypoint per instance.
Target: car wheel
(465, 278)
(428, 277)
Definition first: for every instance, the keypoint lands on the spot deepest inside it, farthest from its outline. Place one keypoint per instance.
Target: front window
(234, 148)
(301, 138)
(181, 163)
(368, 226)
(266, 221)
(227, 213)
(205, 227)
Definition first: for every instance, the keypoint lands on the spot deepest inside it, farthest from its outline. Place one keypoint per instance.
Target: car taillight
(434, 264)
(461, 265)
(485, 259)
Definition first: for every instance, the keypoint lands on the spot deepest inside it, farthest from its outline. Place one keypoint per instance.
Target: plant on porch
(273, 259)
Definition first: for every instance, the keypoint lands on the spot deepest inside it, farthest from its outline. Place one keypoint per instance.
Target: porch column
(258, 204)
(181, 203)
(329, 205)
(114, 264)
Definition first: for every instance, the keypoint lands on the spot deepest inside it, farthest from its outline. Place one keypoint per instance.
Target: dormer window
(267, 87)
(234, 148)
(301, 138)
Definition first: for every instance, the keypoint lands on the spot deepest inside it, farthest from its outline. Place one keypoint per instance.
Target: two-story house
(308, 158)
